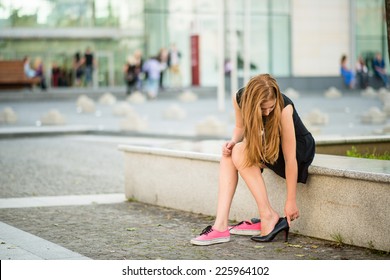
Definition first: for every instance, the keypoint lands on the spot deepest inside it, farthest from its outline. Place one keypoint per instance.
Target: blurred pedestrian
(152, 69)
(28, 71)
(362, 72)
(139, 61)
(78, 69)
(379, 68)
(174, 59)
(163, 59)
(346, 73)
(130, 75)
(89, 66)
(55, 74)
(40, 72)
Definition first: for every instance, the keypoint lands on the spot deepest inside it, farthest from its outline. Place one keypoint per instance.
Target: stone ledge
(379, 144)
(329, 140)
(340, 198)
(329, 165)
(10, 132)
(354, 168)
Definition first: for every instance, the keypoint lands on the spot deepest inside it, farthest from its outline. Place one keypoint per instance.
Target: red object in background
(195, 60)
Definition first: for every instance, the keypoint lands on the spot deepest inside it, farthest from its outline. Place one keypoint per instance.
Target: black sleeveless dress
(305, 149)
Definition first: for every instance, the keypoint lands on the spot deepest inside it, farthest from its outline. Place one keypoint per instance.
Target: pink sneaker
(211, 236)
(251, 227)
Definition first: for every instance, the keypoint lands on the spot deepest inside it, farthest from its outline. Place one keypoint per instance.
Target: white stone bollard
(188, 96)
(211, 126)
(316, 117)
(136, 98)
(383, 90)
(174, 112)
(53, 117)
(122, 109)
(85, 104)
(374, 116)
(386, 108)
(291, 93)
(369, 92)
(386, 129)
(332, 93)
(133, 122)
(107, 99)
(384, 97)
(8, 116)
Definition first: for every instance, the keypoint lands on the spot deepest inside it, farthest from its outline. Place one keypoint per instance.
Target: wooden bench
(12, 75)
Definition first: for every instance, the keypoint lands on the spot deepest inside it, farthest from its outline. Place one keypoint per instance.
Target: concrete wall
(320, 35)
(336, 201)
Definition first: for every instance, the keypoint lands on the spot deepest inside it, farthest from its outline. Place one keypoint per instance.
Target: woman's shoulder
(239, 95)
(287, 100)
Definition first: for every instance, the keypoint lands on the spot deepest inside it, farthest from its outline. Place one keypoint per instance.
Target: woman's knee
(226, 160)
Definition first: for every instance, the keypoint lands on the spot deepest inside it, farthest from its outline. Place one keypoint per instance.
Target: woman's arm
(289, 152)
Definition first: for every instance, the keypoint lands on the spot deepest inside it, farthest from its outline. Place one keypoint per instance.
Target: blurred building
(287, 38)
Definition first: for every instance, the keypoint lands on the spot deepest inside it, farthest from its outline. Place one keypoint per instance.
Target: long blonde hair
(262, 142)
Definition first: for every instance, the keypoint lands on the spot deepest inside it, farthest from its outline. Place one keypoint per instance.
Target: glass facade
(371, 34)
(71, 13)
(56, 29)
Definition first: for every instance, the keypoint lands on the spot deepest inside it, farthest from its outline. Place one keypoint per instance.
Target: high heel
(281, 225)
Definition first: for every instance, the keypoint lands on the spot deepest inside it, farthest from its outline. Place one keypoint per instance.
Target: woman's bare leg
(228, 178)
(254, 180)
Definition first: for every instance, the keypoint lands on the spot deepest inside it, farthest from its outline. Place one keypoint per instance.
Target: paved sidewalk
(64, 193)
(343, 114)
(20, 245)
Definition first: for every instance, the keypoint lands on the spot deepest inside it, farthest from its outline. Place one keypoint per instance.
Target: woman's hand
(291, 210)
(227, 148)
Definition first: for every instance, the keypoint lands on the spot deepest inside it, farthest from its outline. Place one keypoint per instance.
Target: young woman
(346, 73)
(268, 133)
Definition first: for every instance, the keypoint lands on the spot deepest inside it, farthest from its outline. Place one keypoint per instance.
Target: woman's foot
(251, 227)
(211, 236)
(281, 225)
(268, 223)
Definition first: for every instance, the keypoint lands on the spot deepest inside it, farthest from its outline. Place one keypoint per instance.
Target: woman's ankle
(269, 215)
(268, 223)
(220, 226)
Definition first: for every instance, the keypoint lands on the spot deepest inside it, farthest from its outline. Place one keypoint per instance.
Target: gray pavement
(63, 192)
(344, 114)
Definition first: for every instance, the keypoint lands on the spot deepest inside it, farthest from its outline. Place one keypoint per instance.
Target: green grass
(353, 152)
(338, 239)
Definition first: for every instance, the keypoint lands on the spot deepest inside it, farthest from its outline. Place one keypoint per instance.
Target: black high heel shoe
(281, 225)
